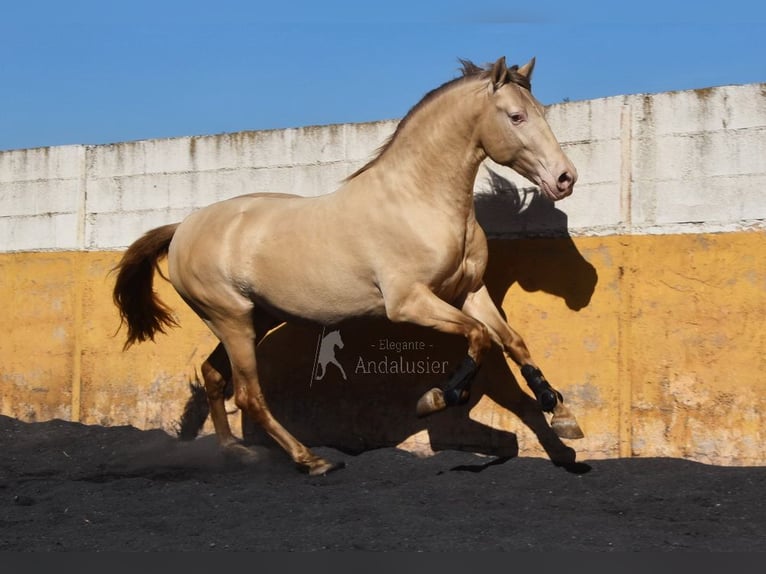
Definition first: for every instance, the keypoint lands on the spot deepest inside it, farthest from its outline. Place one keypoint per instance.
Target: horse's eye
(517, 118)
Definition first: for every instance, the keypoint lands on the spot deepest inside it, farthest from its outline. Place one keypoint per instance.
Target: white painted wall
(676, 162)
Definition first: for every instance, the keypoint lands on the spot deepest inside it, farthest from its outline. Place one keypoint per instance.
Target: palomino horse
(398, 239)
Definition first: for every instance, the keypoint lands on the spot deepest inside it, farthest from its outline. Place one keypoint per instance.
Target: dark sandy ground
(67, 486)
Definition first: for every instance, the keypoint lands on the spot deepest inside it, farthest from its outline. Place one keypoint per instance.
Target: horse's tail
(140, 308)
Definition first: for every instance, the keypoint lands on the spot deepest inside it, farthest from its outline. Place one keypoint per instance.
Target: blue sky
(92, 72)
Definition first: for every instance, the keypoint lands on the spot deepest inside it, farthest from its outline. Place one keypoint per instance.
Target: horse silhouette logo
(325, 355)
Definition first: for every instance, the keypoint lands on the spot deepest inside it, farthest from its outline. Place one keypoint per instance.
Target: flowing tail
(140, 308)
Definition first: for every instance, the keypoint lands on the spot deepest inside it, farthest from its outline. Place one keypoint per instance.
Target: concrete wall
(641, 295)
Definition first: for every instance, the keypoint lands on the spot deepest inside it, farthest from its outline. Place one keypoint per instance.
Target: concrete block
(116, 160)
(49, 231)
(684, 156)
(190, 190)
(319, 144)
(16, 198)
(6, 223)
(596, 161)
(594, 208)
(643, 202)
(222, 152)
(265, 149)
(171, 155)
(745, 105)
(703, 110)
(45, 163)
(363, 141)
(118, 230)
(721, 200)
(104, 194)
(145, 191)
(586, 121)
(61, 197)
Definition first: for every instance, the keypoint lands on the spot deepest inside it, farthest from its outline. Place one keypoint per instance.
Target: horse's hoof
(564, 423)
(322, 467)
(566, 427)
(431, 402)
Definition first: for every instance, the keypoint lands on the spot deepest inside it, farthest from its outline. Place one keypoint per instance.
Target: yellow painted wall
(655, 341)
(61, 358)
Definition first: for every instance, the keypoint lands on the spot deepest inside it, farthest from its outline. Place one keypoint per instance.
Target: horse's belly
(326, 303)
(302, 284)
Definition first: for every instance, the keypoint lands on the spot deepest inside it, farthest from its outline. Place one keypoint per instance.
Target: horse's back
(207, 228)
(274, 250)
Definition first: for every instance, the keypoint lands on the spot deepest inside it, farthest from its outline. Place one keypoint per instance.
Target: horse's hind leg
(216, 373)
(480, 305)
(239, 339)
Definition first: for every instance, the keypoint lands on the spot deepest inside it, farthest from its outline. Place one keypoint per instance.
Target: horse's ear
(526, 69)
(499, 73)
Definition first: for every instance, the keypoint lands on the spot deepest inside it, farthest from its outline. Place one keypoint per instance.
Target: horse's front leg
(420, 306)
(480, 306)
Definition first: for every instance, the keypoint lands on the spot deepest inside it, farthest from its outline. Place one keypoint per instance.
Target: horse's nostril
(565, 182)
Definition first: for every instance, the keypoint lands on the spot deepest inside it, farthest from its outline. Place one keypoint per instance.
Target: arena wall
(642, 295)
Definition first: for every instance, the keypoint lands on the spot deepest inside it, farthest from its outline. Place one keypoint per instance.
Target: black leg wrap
(545, 395)
(455, 393)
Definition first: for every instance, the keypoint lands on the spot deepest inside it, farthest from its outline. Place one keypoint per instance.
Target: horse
(397, 239)
(326, 354)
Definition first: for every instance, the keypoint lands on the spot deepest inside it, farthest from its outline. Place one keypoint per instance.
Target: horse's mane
(469, 71)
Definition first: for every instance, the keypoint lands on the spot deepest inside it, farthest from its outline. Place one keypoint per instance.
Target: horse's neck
(435, 156)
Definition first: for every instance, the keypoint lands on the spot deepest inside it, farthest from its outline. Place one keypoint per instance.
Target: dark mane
(469, 71)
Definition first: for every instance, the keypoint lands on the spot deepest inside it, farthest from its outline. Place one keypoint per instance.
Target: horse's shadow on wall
(362, 405)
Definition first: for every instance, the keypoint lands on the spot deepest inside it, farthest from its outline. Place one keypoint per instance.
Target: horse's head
(513, 132)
